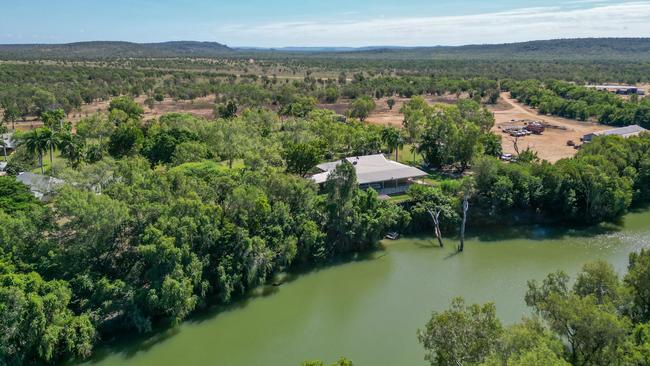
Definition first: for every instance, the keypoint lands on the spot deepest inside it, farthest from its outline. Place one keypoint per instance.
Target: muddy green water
(369, 309)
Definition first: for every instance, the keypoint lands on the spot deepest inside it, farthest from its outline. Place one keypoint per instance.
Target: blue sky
(276, 23)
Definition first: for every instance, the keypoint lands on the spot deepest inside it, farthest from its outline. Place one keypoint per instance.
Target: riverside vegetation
(165, 217)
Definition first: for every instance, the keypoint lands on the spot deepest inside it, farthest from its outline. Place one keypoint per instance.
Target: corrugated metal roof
(372, 169)
(39, 185)
(623, 131)
(8, 141)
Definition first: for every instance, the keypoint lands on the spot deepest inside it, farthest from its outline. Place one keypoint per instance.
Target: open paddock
(552, 145)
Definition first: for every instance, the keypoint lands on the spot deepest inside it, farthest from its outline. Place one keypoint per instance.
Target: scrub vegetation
(162, 216)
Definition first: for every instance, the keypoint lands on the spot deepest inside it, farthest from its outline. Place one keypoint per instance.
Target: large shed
(628, 131)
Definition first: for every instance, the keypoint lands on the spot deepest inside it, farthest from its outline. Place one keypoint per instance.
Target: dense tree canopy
(595, 322)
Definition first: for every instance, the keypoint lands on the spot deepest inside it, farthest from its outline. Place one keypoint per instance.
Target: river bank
(370, 309)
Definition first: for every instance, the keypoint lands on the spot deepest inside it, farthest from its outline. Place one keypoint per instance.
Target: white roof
(372, 169)
(7, 141)
(39, 185)
(623, 131)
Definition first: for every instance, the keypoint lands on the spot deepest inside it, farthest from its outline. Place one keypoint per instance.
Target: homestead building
(385, 176)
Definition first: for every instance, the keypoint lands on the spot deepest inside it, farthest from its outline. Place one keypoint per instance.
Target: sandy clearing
(200, 107)
(384, 116)
(552, 144)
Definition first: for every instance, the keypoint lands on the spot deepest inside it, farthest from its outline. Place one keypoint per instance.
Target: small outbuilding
(628, 131)
(7, 142)
(385, 176)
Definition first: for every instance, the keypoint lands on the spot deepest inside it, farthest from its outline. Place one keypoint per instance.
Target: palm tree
(393, 139)
(72, 147)
(51, 143)
(3, 130)
(4, 148)
(36, 142)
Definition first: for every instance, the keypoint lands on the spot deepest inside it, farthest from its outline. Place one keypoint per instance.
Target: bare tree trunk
(51, 159)
(436, 222)
(40, 162)
(461, 247)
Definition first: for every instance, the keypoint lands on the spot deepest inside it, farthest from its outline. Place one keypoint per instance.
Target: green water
(369, 310)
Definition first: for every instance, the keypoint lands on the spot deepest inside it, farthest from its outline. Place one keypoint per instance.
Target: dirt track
(552, 144)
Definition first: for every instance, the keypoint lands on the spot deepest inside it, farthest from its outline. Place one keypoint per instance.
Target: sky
(353, 23)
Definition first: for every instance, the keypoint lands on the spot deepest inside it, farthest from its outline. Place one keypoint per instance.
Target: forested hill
(637, 49)
(102, 50)
(592, 49)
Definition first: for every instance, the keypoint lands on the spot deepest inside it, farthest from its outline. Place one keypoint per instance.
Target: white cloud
(627, 19)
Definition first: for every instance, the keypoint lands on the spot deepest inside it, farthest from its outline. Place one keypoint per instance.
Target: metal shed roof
(371, 169)
(623, 131)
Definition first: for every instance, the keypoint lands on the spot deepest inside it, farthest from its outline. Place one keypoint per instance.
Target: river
(369, 309)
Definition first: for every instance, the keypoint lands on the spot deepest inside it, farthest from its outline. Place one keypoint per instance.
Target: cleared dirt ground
(552, 144)
(384, 116)
(200, 107)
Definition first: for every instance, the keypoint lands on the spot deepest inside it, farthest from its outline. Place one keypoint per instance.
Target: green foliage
(299, 107)
(579, 102)
(128, 106)
(160, 145)
(425, 199)
(587, 189)
(638, 279)
(53, 119)
(361, 108)
(593, 329)
(14, 196)
(37, 324)
(588, 324)
(95, 127)
(461, 335)
(342, 362)
(450, 134)
(126, 140)
(528, 343)
(331, 95)
(302, 158)
(226, 111)
(492, 145)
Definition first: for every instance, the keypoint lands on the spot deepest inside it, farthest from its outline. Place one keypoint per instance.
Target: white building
(41, 186)
(375, 171)
(628, 131)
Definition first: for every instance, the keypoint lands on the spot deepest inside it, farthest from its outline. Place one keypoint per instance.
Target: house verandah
(385, 176)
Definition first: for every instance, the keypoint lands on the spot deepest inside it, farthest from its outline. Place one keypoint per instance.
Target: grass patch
(408, 156)
(399, 198)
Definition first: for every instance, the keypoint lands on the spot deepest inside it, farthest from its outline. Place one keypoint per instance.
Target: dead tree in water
(436, 222)
(461, 247)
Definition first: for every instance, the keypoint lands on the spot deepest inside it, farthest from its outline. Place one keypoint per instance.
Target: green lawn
(399, 198)
(236, 164)
(406, 156)
(58, 162)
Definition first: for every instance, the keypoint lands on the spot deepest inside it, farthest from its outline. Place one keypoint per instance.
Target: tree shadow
(541, 232)
(452, 254)
(129, 345)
